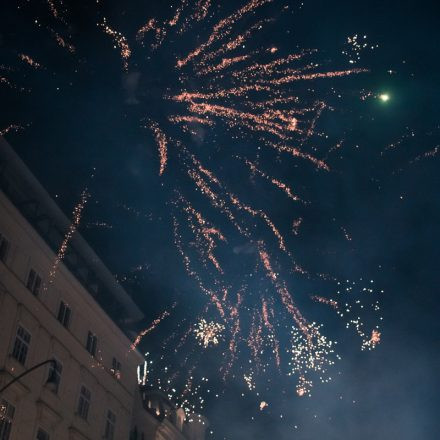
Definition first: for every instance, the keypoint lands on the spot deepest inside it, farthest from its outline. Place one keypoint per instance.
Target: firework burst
(208, 333)
(264, 102)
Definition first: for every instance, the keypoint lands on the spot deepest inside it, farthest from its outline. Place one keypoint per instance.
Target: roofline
(36, 190)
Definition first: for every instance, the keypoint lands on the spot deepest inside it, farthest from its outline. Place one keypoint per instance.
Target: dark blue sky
(82, 115)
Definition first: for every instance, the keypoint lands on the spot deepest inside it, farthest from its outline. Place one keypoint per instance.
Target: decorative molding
(47, 415)
(76, 434)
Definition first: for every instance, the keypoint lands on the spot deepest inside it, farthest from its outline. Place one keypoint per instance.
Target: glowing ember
(263, 405)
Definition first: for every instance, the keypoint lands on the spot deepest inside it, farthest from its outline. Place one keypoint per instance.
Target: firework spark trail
(235, 43)
(297, 153)
(267, 122)
(53, 8)
(235, 331)
(6, 81)
(190, 97)
(224, 64)
(313, 76)
(276, 182)
(132, 273)
(222, 29)
(120, 41)
(296, 225)
(215, 199)
(206, 231)
(255, 339)
(330, 302)
(55, 11)
(30, 61)
(149, 329)
(427, 154)
(190, 120)
(162, 143)
(184, 338)
(77, 214)
(270, 328)
(283, 292)
(270, 68)
(346, 234)
(238, 204)
(179, 10)
(62, 42)
(267, 100)
(277, 101)
(10, 128)
(150, 25)
(200, 11)
(214, 298)
(259, 213)
(279, 123)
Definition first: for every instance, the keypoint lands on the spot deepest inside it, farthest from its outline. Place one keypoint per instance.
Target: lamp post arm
(48, 361)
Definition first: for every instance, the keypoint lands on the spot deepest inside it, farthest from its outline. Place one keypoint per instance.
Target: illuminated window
(34, 282)
(110, 426)
(21, 345)
(4, 247)
(92, 341)
(42, 435)
(84, 402)
(64, 313)
(6, 415)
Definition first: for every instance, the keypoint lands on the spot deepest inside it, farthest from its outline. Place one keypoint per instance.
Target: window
(4, 247)
(110, 426)
(84, 402)
(42, 434)
(64, 313)
(92, 340)
(34, 282)
(116, 368)
(55, 370)
(21, 345)
(6, 415)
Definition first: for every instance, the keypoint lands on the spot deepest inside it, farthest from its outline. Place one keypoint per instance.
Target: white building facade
(75, 317)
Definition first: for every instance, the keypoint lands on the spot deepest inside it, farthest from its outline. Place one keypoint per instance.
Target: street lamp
(51, 380)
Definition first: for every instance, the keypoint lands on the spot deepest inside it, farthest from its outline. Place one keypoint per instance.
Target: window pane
(64, 314)
(21, 345)
(42, 435)
(4, 246)
(61, 311)
(91, 343)
(67, 317)
(37, 285)
(54, 376)
(6, 415)
(110, 426)
(84, 402)
(34, 282)
(31, 279)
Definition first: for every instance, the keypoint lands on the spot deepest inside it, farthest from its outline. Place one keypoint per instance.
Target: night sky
(81, 119)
